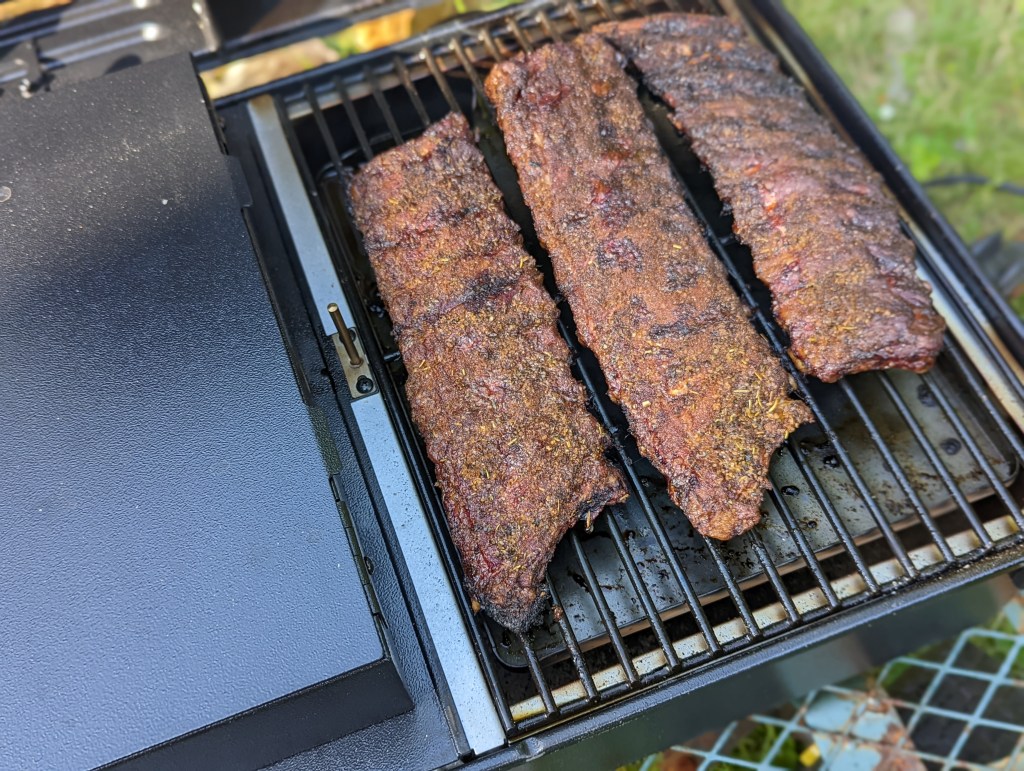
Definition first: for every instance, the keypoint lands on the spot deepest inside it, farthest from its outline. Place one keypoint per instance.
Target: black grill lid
(172, 553)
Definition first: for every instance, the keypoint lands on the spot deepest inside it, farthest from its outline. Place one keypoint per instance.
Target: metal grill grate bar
(520, 35)
(842, 531)
(550, 708)
(640, 589)
(753, 630)
(549, 28)
(378, 97)
(573, 645)
(325, 133)
(757, 544)
(1012, 507)
(933, 457)
(410, 89)
(442, 81)
(625, 660)
(357, 125)
(606, 9)
(967, 370)
(897, 470)
(793, 528)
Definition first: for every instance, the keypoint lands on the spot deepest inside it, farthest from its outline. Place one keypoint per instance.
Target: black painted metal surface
(172, 555)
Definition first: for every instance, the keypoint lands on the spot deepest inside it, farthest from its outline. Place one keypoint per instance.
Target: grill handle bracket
(352, 356)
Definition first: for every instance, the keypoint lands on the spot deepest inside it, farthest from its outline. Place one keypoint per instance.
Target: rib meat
(704, 396)
(824, 233)
(517, 456)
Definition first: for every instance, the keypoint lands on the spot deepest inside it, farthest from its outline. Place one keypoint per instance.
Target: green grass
(998, 649)
(756, 745)
(634, 766)
(945, 83)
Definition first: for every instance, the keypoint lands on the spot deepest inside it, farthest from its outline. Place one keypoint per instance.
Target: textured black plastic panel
(172, 555)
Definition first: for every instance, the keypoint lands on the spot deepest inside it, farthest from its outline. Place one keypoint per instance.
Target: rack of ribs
(517, 457)
(824, 233)
(705, 398)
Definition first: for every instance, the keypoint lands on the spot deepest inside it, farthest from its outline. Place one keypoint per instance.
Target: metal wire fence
(955, 705)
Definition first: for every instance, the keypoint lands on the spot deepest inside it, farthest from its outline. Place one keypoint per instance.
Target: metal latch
(352, 356)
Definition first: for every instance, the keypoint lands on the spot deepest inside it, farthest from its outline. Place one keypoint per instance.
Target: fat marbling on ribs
(705, 398)
(823, 231)
(517, 456)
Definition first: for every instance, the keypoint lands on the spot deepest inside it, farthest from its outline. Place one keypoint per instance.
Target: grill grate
(901, 477)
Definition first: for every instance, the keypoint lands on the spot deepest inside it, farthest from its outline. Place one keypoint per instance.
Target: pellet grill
(223, 545)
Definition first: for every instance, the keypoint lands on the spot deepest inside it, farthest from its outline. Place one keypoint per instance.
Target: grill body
(884, 517)
(892, 521)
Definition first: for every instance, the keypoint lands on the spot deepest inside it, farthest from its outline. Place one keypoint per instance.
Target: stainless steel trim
(446, 627)
(437, 600)
(971, 346)
(298, 212)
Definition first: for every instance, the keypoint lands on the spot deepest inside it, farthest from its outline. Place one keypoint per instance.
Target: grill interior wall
(901, 477)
